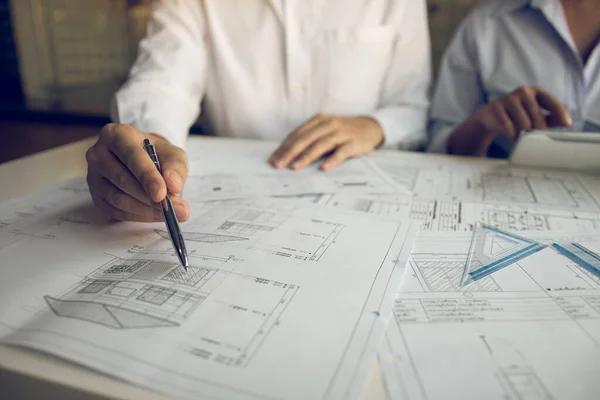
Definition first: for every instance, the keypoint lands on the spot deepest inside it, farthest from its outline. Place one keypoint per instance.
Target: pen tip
(146, 141)
(185, 262)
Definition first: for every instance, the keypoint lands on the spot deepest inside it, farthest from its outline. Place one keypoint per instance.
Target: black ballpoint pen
(169, 214)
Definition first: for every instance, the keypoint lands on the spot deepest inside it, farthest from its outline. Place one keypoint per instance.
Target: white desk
(27, 374)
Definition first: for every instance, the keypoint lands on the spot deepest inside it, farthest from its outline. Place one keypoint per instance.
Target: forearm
(150, 112)
(167, 81)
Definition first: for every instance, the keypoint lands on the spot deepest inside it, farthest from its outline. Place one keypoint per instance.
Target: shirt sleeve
(459, 91)
(167, 81)
(402, 111)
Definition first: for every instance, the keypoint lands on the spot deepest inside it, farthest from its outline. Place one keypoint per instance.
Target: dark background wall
(10, 83)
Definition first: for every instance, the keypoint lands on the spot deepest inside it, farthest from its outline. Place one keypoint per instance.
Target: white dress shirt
(260, 68)
(503, 45)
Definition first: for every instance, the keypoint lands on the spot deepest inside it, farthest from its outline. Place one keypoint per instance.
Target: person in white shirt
(343, 76)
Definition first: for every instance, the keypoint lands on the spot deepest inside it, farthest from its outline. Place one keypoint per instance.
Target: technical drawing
(276, 232)
(525, 220)
(308, 197)
(230, 186)
(581, 255)
(493, 249)
(141, 294)
(403, 175)
(507, 188)
(107, 315)
(446, 276)
(199, 187)
(519, 380)
(558, 191)
(437, 215)
(523, 384)
(247, 222)
(203, 237)
(515, 220)
(363, 178)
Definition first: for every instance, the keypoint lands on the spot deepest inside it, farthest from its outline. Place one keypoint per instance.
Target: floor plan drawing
(491, 183)
(29, 217)
(447, 214)
(140, 293)
(256, 298)
(229, 186)
(523, 383)
(514, 373)
(260, 230)
(500, 331)
(545, 190)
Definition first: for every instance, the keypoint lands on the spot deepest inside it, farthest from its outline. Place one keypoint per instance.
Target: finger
(307, 126)
(122, 201)
(517, 113)
(559, 116)
(126, 143)
(532, 107)
(342, 153)
(120, 215)
(182, 208)
(102, 162)
(320, 147)
(503, 121)
(302, 143)
(174, 164)
(291, 138)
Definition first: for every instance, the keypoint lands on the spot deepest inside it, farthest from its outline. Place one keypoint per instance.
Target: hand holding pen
(124, 182)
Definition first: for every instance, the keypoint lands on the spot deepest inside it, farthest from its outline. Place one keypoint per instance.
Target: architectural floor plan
(444, 214)
(20, 218)
(295, 277)
(524, 332)
(491, 183)
(260, 282)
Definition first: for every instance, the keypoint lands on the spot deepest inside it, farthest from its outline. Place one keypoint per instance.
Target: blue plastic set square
(493, 249)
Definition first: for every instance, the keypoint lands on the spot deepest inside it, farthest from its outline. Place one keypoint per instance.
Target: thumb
(558, 120)
(559, 116)
(174, 164)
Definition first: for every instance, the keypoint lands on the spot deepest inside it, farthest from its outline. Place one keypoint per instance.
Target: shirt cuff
(140, 116)
(403, 127)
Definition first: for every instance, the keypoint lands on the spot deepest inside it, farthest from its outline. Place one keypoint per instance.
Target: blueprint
(245, 172)
(529, 331)
(451, 214)
(282, 300)
(490, 182)
(20, 218)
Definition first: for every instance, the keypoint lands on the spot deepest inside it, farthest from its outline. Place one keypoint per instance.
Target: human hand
(344, 137)
(521, 110)
(124, 182)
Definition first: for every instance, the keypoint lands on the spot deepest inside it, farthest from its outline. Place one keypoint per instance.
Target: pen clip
(152, 153)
